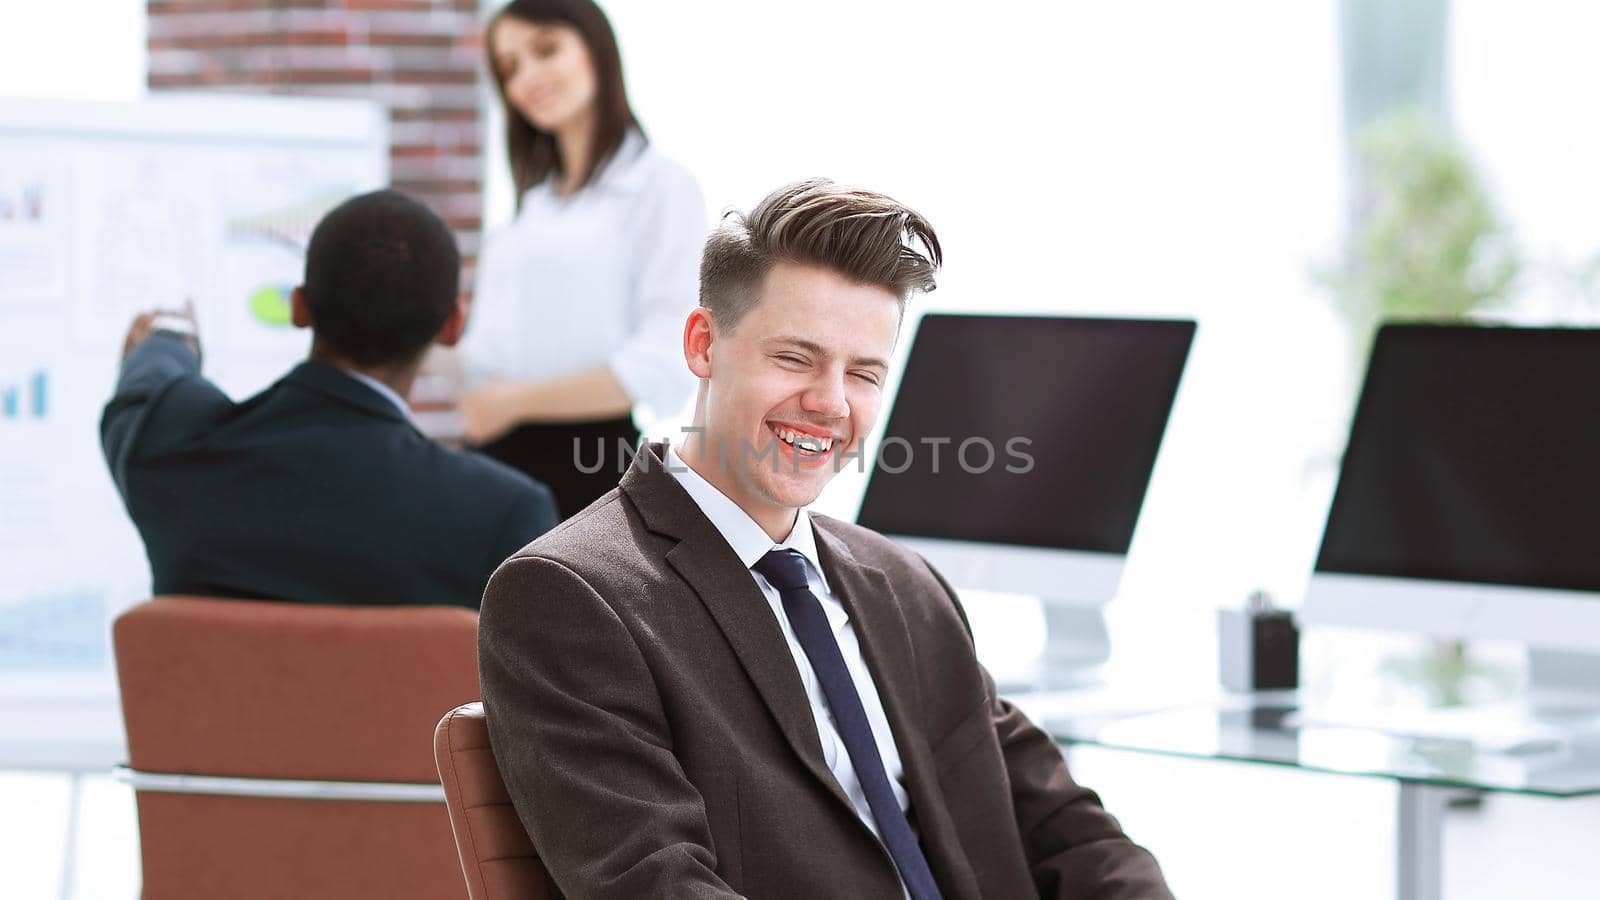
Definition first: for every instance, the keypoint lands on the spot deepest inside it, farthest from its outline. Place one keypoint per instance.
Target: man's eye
(790, 359)
(868, 377)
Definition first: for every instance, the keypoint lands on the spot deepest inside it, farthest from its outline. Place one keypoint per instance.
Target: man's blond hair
(864, 236)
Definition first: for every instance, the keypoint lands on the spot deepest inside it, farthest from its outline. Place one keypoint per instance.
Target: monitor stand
(1076, 646)
(1563, 686)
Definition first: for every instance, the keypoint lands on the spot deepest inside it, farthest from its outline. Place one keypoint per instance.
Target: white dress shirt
(603, 277)
(751, 543)
(388, 393)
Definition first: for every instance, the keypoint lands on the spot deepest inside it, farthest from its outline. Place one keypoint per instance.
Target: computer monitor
(1468, 503)
(1018, 448)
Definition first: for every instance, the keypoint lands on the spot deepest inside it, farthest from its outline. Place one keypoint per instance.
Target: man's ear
(698, 333)
(299, 310)
(455, 325)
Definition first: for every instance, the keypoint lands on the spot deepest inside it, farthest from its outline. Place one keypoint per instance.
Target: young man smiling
(795, 393)
(697, 688)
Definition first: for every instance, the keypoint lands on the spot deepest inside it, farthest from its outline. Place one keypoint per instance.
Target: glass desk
(1271, 728)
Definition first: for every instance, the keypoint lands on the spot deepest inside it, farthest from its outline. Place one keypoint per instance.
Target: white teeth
(805, 441)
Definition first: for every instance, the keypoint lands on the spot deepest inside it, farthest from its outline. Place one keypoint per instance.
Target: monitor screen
(1072, 411)
(1474, 457)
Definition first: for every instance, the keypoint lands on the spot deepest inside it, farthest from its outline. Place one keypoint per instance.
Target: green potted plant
(1428, 244)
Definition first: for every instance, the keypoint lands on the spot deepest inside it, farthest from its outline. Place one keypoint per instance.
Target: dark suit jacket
(656, 739)
(317, 490)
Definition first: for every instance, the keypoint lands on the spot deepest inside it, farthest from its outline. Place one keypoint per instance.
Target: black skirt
(578, 461)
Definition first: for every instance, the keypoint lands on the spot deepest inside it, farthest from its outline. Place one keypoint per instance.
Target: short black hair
(382, 276)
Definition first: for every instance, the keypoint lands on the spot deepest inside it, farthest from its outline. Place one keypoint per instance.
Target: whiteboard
(107, 209)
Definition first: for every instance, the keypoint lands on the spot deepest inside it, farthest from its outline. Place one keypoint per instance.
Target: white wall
(77, 49)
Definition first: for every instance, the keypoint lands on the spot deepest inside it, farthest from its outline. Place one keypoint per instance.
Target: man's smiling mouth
(808, 444)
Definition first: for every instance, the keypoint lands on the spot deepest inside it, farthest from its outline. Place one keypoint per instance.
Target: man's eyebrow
(816, 349)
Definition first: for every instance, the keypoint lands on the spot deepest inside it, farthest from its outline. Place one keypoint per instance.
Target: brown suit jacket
(656, 739)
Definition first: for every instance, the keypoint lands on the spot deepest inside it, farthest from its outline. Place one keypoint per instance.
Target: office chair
(496, 856)
(280, 749)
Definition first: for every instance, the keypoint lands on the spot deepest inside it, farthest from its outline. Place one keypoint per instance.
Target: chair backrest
(266, 690)
(496, 855)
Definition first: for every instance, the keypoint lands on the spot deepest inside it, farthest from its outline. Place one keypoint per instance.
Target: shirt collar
(748, 540)
(388, 393)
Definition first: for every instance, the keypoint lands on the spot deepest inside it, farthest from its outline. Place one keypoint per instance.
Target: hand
(152, 320)
(491, 410)
(138, 331)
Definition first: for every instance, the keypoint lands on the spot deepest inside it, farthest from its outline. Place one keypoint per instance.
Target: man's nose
(826, 396)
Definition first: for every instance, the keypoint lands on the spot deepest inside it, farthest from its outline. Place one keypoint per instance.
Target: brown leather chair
(496, 855)
(280, 750)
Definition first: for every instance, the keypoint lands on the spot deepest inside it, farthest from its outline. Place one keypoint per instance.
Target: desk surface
(1265, 729)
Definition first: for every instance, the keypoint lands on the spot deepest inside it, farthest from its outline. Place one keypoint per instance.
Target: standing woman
(577, 320)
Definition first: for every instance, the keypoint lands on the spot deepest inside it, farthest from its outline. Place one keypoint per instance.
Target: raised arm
(154, 361)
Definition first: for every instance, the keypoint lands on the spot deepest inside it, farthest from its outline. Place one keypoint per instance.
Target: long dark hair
(534, 153)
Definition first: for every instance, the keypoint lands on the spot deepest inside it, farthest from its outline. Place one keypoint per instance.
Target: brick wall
(420, 58)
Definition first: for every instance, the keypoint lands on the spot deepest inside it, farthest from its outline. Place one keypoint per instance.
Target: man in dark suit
(319, 489)
(698, 689)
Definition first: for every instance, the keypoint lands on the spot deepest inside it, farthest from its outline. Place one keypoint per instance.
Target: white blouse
(605, 276)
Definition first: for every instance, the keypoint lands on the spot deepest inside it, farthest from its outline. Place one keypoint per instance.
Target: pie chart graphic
(270, 304)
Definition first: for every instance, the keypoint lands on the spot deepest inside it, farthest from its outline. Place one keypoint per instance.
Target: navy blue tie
(786, 571)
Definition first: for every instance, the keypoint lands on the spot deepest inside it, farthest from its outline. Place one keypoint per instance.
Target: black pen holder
(1258, 649)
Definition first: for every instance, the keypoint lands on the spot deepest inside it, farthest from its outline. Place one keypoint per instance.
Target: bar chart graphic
(28, 399)
(22, 202)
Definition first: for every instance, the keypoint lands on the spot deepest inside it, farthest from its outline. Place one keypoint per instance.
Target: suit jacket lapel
(704, 560)
(885, 639)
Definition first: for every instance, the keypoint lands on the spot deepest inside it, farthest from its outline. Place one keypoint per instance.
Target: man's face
(793, 387)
